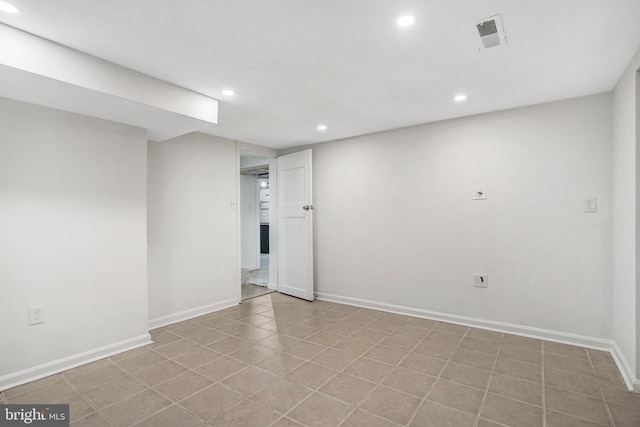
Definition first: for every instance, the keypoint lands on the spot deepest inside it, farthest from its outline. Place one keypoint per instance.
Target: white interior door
(295, 225)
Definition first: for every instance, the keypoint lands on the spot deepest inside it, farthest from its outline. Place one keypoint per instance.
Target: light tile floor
(280, 361)
(251, 291)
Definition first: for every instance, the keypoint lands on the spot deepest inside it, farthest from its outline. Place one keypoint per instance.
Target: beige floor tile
(163, 338)
(368, 334)
(281, 395)
(299, 331)
(369, 369)
(253, 334)
(481, 346)
(324, 338)
(439, 350)
(93, 420)
(424, 364)
(245, 414)
(412, 331)
(577, 405)
(253, 353)
(172, 416)
(159, 373)
(565, 350)
(256, 320)
(249, 380)
(79, 407)
(310, 375)
(342, 328)
(573, 382)
(228, 345)
(135, 408)
(600, 357)
(389, 355)
(140, 361)
(319, 410)
(30, 386)
(115, 391)
(400, 341)
(391, 404)
(423, 323)
(197, 357)
(190, 330)
(456, 396)
(208, 337)
(304, 350)
(488, 423)
(221, 368)
(451, 328)
(317, 323)
(531, 343)
(474, 359)
(286, 422)
(361, 418)
(466, 375)
(555, 419)
(384, 325)
(618, 393)
(358, 319)
(440, 337)
(518, 369)
(347, 388)
(514, 388)
(182, 386)
(484, 335)
(608, 373)
(523, 354)
(511, 412)
(279, 363)
(625, 416)
(570, 364)
(176, 348)
(92, 379)
(409, 382)
(278, 342)
(48, 393)
(353, 345)
(334, 359)
(211, 402)
(100, 363)
(435, 415)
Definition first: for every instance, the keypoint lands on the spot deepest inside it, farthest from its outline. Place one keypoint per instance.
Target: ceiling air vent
(491, 32)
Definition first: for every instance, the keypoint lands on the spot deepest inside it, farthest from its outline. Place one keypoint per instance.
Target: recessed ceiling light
(405, 21)
(228, 92)
(322, 128)
(460, 98)
(9, 8)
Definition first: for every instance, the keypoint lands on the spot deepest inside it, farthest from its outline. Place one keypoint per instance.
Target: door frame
(261, 160)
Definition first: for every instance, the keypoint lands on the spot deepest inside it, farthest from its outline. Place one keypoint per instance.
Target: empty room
(338, 213)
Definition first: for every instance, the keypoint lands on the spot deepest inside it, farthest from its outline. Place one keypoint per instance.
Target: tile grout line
(544, 388)
(424, 398)
(488, 386)
(604, 399)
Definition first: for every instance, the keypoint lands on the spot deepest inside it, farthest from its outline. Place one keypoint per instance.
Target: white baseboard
(21, 377)
(191, 313)
(272, 286)
(561, 337)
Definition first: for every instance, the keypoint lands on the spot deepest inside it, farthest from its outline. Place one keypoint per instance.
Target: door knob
(307, 207)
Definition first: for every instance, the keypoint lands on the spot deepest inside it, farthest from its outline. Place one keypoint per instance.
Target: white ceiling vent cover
(491, 32)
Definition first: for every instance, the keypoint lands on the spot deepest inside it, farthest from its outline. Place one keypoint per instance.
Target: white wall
(72, 238)
(249, 229)
(193, 231)
(625, 231)
(395, 222)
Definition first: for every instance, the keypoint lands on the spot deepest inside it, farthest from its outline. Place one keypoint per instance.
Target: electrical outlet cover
(480, 280)
(36, 314)
(591, 204)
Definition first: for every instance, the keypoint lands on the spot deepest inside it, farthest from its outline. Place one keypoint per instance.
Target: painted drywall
(625, 210)
(193, 250)
(396, 223)
(249, 231)
(72, 238)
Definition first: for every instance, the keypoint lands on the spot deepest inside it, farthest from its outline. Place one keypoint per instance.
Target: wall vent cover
(491, 32)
